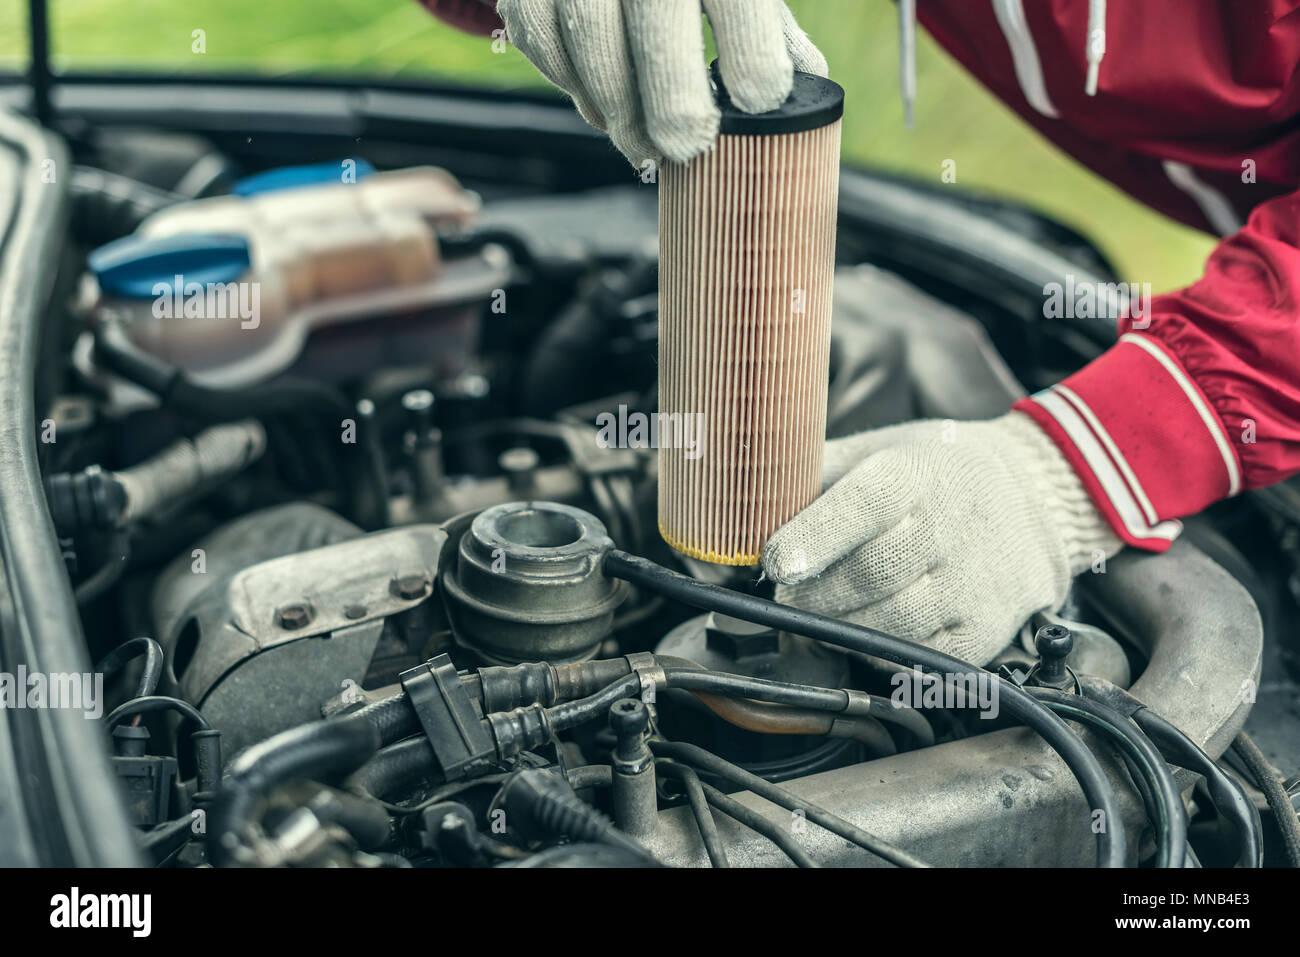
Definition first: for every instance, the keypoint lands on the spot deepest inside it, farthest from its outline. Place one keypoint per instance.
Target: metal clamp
(646, 667)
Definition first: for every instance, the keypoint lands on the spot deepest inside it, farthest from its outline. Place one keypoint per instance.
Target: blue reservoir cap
(134, 266)
(291, 177)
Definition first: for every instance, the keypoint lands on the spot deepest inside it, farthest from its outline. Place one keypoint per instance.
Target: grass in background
(956, 119)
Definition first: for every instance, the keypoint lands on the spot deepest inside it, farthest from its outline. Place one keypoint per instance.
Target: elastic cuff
(1142, 437)
(1083, 530)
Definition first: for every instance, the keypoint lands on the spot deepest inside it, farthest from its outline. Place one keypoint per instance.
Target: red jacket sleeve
(472, 16)
(1200, 398)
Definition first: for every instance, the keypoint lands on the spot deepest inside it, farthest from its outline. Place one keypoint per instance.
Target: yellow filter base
(690, 551)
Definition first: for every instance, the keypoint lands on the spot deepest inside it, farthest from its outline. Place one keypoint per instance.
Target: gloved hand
(635, 68)
(947, 533)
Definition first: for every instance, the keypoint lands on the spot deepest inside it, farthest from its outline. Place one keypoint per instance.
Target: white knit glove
(635, 68)
(947, 533)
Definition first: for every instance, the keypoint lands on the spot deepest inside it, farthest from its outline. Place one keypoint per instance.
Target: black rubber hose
(397, 768)
(757, 823)
(700, 809)
(106, 206)
(361, 816)
(107, 575)
(320, 750)
(699, 758)
(393, 717)
(284, 396)
(573, 713)
(1226, 793)
(1111, 843)
(1279, 802)
(116, 352)
(147, 648)
(590, 776)
(153, 703)
(1171, 818)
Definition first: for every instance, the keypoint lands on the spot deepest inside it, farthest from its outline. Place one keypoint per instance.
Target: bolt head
(628, 717)
(1054, 641)
(410, 587)
(295, 616)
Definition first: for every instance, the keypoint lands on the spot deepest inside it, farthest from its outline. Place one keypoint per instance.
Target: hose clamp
(646, 667)
(859, 702)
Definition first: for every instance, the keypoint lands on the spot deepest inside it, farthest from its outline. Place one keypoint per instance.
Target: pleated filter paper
(746, 259)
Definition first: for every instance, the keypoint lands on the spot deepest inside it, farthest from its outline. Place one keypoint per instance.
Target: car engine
(349, 470)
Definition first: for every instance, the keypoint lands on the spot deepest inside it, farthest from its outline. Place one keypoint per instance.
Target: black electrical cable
(104, 577)
(760, 689)
(1171, 816)
(756, 822)
(700, 809)
(1111, 843)
(1155, 812)
(1279, 802)
(144, 647)
(1226, 793)
(157, 703)
(697, 757)
(832, 700)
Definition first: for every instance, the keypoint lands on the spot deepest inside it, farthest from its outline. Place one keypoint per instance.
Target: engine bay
(351, 472)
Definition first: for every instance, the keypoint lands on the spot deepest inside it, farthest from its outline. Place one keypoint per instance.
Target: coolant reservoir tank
(237, 289)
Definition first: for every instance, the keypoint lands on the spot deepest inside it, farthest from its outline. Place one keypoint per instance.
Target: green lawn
(993, 150)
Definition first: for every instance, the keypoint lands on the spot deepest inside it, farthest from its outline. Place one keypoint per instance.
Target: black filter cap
(814, 102)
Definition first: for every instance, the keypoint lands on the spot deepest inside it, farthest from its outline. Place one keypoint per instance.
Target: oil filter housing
(525, 583)
(746, 257)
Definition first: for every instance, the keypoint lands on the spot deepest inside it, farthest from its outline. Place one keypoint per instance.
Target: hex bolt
(293, 617)
(1053, 644)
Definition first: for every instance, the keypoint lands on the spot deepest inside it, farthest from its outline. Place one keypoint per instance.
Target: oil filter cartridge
(746, 257)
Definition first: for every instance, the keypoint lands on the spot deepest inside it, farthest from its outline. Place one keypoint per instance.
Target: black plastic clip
(455, 731)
